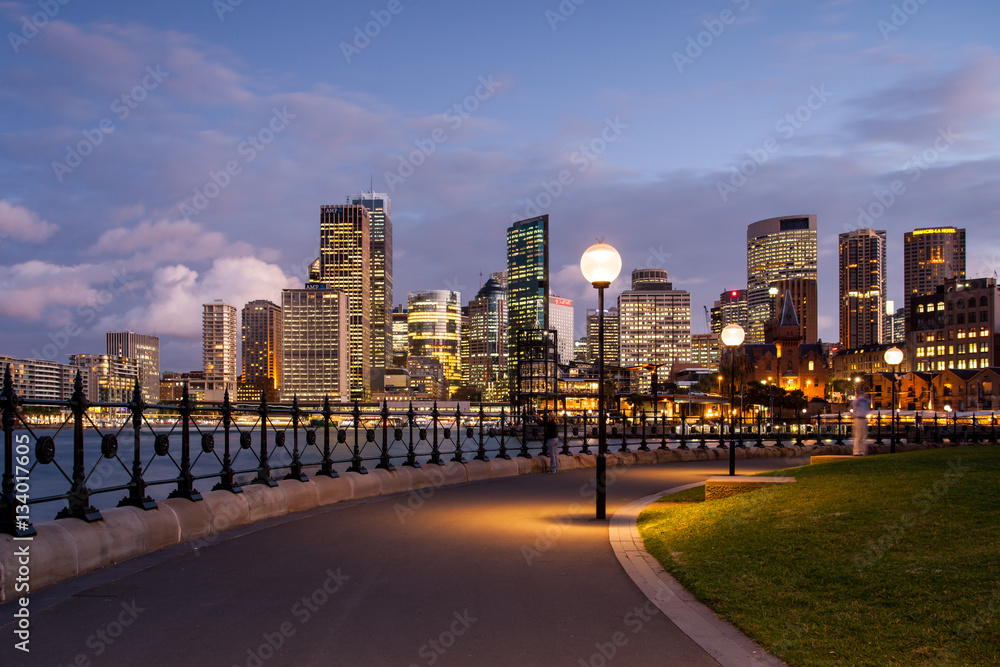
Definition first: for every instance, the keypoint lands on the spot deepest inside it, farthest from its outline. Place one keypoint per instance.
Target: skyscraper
(400, 337)
(316, 344)
(262, 347)
(345, 264)
(380, 230)
(930, 256)
(561, 320)
(654, 321)
(146, 350)
(611, 347)
(527, 282)
(487, 360)
(777, 249)
(862, 288)
(731, 308)
(434, 325)
(219, 336)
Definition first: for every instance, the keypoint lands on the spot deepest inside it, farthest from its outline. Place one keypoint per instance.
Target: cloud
(23, 224)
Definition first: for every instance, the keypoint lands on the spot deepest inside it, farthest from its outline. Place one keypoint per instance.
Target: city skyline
(845, 111)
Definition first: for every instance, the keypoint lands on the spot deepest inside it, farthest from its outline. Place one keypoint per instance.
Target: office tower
(561, 320)
(315, 360)
(862, 288)
(145, 349)
(611, 349)
(380, 231)
(487, 361)
(654, 322)
(930, 256)
(262, 353)
(897, 322)
(580, 355)
(731, 308)
(107, 378)
(463, 345)
(218, 331)
(345, 264)
(705, 350)
(400, 337)
(777, 249)
(434, 321)
(956, 327)
(427, 377)
(527, 283)
(803, 294)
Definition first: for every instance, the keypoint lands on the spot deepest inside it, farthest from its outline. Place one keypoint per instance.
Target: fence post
(264, 466)
(502, 454)
(227, 479)
(643, 445)
(481, 452)
(137, 486)
(295, 469)
(356, 463)
(384, 462)
(326, 468)
(458, 457)
(586, 447)
(185, 479)
(435, 450)
(79, 506)
(411, 456)
(10, 503)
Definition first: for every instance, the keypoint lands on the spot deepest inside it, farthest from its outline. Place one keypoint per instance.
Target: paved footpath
(512, 571)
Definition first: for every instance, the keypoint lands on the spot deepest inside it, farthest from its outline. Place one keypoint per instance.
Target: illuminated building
(705, 350)
(315, 361)
(930, 256)
(146, 350)
(956, 327)
(107, 378)
(380, 232)
(804, 297)
(487, 361)
(611, 349)
(400, 337)
(434, 326)
(654, 323)
(527, 283)
(218, 331)
(862, 288)
(262, 353)
(41, 379)
(777, 249)
(345, 264)
(561, 321)
(786, 361)
(731, 308)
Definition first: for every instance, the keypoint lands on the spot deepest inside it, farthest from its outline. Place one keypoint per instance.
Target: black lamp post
(893, 357)
(732, 337)
(600, 265)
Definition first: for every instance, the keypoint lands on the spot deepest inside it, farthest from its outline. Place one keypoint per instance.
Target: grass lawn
(883, 560)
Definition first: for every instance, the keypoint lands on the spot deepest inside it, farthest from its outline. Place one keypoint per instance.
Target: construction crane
(708, 319)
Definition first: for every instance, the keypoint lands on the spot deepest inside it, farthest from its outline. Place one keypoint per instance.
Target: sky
(158, 156)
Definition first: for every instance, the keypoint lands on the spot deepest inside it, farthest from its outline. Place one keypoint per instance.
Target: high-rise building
(731, 308)
(487, 361)
(527, 283)
(862, 288)
(561, 320)
(219, 340)
(146, 350)
(41, 379)
(380, 230)
(956, 327)
(897, 322)
(777, 249)
(345, 264)
(316, 344)
(434, 324)
(705, 350)
(400, 337)
(930, 256)
(262, 353)
(654, 322)
(611, 347)
(107, 378)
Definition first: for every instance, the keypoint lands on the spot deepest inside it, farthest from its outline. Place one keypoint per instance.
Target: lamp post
(732, 337)
(893, 357)
(600, 265)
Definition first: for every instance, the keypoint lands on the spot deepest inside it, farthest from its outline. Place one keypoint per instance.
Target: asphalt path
(512, 571)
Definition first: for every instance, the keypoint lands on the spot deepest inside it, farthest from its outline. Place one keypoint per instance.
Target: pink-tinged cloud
(164, 241)
(23, 224)
(35, 289)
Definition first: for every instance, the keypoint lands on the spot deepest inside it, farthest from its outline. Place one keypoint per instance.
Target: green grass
(883, 560)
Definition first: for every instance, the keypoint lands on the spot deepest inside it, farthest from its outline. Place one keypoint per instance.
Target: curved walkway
(505, 572)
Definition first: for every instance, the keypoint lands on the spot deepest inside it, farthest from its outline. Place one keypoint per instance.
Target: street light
(893, 357)
(600, 265)
(732, 337)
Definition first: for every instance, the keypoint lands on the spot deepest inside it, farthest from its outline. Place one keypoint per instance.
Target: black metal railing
(131, 448)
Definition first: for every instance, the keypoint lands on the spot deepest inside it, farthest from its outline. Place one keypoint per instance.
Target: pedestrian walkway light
(732, 337)
(893, 357)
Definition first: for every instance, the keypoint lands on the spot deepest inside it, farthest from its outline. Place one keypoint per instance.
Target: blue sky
(646, 112)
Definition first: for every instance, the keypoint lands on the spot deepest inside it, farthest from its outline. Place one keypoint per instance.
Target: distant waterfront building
(654, 322)
(955, 328)
(262, 350)
(487, 361)
(146, 350)
(172, 386)
(219, 338)
(41, 379)
(777, 249)
(731, 308)
(107, 378)
(612, 350)
(316, 347)
(527, 283)
(434, 325)
(930, 256)
(380, 231)
(345, 264)
(561, 320)
(862, 288)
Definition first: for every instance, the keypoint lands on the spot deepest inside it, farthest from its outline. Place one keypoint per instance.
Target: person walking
(552, 442)
(861, 406)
